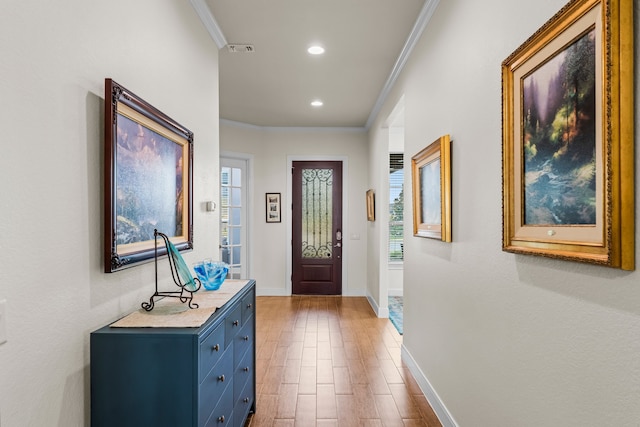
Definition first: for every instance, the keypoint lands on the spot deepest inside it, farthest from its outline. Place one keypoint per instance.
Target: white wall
(55, 57)
(272, 149)
(396, 280)
(503, 339)
(377, 270)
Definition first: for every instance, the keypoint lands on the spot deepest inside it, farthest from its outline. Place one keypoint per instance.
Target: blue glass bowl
(211, 273)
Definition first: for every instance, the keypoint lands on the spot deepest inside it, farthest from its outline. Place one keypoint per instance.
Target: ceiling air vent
(240, 48)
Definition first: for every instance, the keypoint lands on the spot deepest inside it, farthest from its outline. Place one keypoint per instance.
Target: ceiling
(366, 44)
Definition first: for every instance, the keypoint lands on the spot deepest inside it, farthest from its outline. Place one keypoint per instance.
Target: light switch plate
(3, 321)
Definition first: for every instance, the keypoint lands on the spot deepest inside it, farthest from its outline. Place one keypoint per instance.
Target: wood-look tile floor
(329, 361)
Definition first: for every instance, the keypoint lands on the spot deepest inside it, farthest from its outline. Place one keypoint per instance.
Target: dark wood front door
(317, 228)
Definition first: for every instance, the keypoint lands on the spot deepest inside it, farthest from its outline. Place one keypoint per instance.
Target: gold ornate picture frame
(371, 205)
(431, 176)
(568, 137)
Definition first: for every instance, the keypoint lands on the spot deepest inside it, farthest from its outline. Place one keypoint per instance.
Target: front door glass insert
(317, 194)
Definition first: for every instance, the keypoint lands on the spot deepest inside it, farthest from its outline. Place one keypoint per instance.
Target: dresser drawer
(232, 324)
(242, 342)
(222, 415)
(243, 372)
(213, 386)
(243, 405)
(211, 349)
(248, 306)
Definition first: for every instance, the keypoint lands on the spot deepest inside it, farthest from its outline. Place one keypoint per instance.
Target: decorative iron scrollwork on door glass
(317, 234)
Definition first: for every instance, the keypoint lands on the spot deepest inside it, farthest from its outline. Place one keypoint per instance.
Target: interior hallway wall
(503, 339)
(55, 57)
(271, 150)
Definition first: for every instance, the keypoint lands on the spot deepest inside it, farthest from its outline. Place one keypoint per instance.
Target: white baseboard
(445, 417)
(396, 292)
(272, 292)
(382, 312)
(353, 293)
(279, 292)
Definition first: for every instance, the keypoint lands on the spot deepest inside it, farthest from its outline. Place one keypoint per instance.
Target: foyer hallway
(329, 361)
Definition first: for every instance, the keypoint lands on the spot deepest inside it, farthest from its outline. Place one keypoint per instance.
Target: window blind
(396, 207)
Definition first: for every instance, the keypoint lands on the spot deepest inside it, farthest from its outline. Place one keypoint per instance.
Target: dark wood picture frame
(273, 207)
(148, 180)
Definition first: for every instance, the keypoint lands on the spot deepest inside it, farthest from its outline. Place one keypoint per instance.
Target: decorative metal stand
(178, 268)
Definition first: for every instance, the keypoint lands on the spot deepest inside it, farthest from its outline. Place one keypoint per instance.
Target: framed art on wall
(148, 180)
(273, 207)
(568, 138)
(371, 205)
(431, 176)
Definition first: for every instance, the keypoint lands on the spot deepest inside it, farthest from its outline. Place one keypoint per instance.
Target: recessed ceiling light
(316, 103)
(316, 50)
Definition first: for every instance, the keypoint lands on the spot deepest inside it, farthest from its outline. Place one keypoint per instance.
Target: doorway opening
(394, 229)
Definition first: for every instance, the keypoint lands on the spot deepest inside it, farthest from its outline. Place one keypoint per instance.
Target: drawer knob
(221, 419)
(216, 347)
(236, 322)
(249, 305)
(246, 338)
(245, 400)
(246, 369)
(221, 378)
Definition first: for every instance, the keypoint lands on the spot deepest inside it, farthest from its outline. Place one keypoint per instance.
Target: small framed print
(273, 207)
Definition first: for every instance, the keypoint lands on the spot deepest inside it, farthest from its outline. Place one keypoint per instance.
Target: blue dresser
(177, 377)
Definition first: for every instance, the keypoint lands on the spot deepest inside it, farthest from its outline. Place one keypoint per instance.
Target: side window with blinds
(396, 207)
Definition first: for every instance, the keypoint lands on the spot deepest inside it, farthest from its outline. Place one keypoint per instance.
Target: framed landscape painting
(431, 177)
(568, 139)
(148, 180)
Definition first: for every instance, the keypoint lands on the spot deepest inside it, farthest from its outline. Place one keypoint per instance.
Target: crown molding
(209, 22)
(248, 126)
(421, 23)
